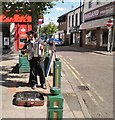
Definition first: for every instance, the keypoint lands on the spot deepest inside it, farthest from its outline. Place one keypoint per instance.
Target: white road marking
(70, 59)
(95, 92)
(91, 96)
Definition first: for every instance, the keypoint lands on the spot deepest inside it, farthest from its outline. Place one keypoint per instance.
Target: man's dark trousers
(36, 68)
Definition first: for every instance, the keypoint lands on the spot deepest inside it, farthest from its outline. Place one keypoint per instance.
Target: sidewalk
(13, 82)
(94, 50)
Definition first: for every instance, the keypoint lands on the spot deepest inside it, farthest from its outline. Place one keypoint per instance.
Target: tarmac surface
(11, 82)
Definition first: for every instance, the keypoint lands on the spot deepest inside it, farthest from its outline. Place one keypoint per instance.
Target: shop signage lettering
(100, 12)
(91, 14)
(73, 29)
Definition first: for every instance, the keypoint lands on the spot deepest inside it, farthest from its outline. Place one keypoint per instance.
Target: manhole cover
(84, 88)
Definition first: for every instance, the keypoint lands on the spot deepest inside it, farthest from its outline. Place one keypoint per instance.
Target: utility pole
(80, 24)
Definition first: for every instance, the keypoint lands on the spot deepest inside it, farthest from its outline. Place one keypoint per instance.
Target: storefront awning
(94, 23)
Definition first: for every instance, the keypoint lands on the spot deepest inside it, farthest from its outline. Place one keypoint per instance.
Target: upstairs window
(69, 20)
(72, 20)
(98, 2)
(76, 23)
(90, 3)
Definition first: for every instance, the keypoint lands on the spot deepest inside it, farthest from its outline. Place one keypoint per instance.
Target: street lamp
(80, 24)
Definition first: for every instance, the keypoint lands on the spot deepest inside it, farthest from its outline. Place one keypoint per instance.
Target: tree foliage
(49, 29)
(34, 9)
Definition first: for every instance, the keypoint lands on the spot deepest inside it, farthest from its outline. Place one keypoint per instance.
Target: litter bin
(55, 104)
(24, 66)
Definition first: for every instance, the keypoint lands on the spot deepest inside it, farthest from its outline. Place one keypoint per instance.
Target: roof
(70, 11)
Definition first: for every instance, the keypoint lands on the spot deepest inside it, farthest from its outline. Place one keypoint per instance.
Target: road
(92, 77)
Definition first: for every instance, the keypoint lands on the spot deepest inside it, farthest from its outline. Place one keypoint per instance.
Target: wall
(94, 4)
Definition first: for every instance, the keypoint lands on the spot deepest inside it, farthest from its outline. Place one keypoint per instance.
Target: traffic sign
(109, 23)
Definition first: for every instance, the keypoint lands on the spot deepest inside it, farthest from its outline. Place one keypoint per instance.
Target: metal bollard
(57, 73)
(47, 48)
(55, 105)
(46, 62)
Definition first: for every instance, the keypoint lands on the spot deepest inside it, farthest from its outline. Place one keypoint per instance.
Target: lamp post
(80, 24)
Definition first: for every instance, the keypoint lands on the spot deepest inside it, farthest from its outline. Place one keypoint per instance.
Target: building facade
(73, 24)
(62, 33)
(14, 30)
(69, 24)
(95, 32)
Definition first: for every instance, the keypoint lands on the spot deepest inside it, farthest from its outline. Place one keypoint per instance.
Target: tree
(34, 9)
(49, 29)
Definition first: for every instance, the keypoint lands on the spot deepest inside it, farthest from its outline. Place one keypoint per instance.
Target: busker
(34, 47)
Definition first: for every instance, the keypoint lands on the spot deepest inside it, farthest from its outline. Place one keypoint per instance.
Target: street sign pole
(110, 42)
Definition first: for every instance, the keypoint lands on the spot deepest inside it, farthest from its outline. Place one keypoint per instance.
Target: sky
(60, 9)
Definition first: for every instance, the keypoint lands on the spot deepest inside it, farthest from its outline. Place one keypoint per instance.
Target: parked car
(43, 39)
(59, 41)
(51, 40)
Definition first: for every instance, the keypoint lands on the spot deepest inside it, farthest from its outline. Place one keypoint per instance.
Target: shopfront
(95, 30)
(74, 35)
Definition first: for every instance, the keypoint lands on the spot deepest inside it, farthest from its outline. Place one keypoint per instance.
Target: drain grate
(84, 88)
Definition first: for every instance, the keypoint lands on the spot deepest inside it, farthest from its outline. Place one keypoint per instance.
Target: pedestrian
(35, 49)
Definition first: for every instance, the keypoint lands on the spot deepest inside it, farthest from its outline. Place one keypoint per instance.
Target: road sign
(109, 23)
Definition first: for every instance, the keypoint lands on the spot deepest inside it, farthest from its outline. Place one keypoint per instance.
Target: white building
(73, 18)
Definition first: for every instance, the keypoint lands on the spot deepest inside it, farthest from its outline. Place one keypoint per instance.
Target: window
(76, 23)
(72, 20)
(91, 37)
(69, 20)
(90, 3)
(98, 2)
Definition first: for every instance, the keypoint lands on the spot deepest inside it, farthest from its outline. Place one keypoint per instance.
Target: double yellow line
(78, 77)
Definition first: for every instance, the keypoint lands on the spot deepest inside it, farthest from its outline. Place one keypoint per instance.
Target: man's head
(30, 34)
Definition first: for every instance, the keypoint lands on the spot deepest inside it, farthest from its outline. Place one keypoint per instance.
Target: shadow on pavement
(75, 48)
(15, 69)
(8, 81)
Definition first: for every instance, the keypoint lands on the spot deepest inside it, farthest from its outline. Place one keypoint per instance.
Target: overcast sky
(60, 9)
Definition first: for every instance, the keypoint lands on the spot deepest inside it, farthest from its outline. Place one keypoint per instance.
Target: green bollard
(57, 73)
(55, 104)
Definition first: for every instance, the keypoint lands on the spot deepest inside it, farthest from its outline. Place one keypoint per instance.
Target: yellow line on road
(72, 67)
(78, 114)
(81, 83)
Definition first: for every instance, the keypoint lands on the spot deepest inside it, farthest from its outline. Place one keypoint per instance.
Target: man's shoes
(43, 86)
(34, 86)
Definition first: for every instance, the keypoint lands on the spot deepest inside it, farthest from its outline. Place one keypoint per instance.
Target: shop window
(91, 37)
